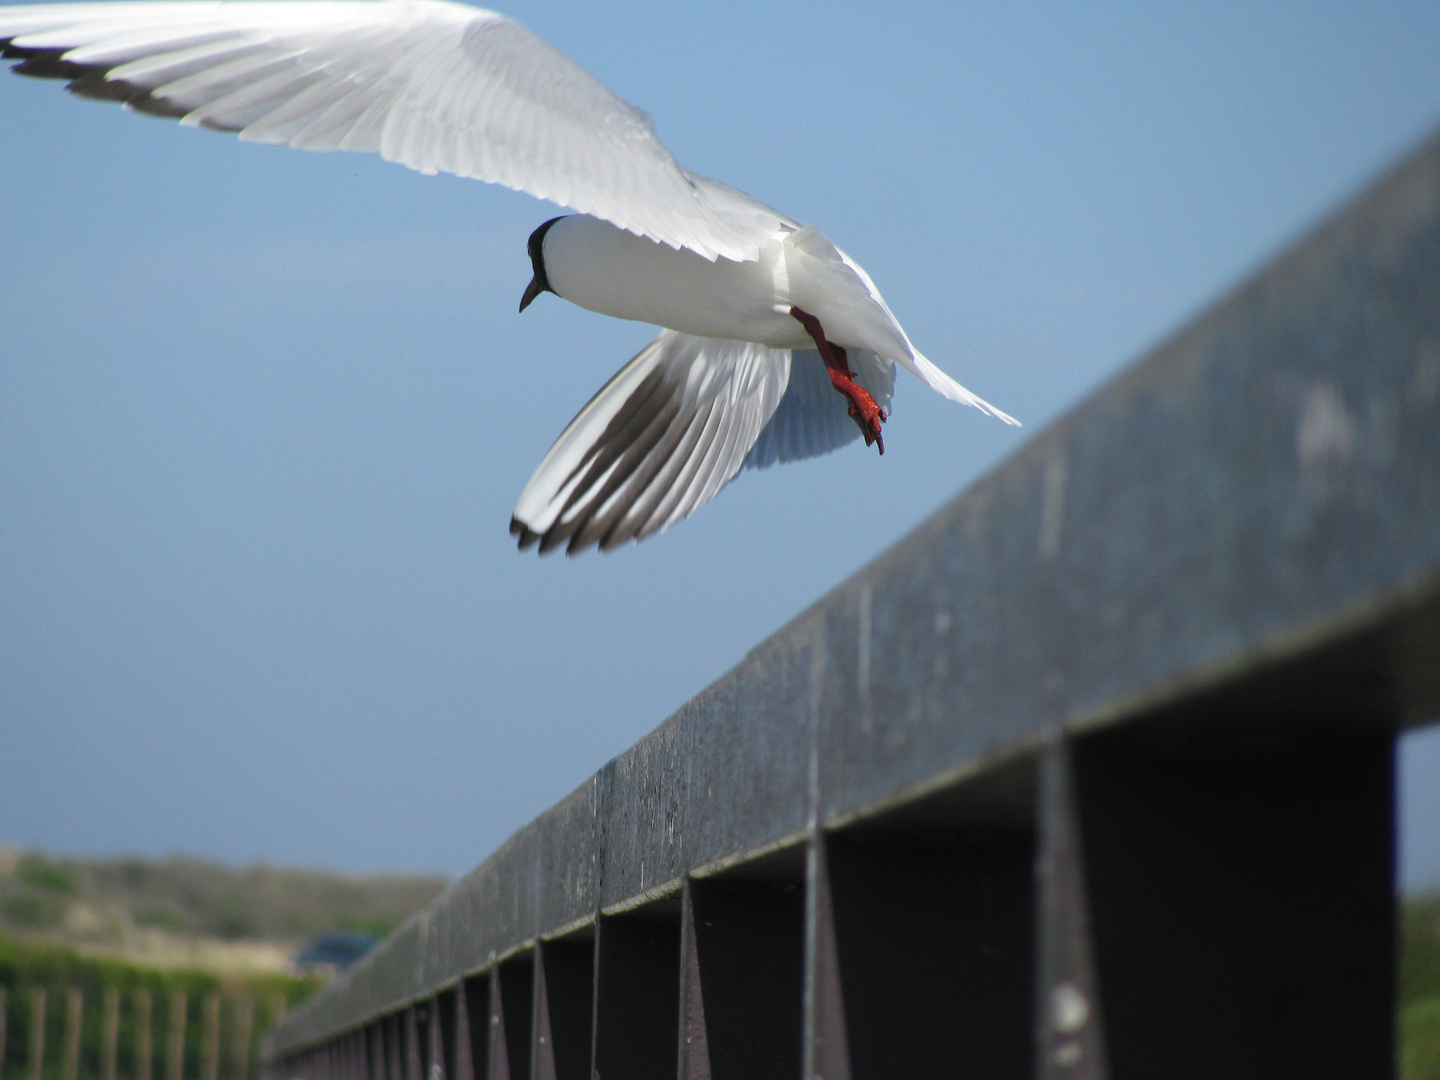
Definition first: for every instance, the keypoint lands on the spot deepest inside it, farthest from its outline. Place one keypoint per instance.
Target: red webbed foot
(864, 409)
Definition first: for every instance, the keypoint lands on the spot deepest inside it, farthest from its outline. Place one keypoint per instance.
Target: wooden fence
(212, 1037)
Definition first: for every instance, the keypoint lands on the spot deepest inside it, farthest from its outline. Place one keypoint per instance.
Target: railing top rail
(1262, 484)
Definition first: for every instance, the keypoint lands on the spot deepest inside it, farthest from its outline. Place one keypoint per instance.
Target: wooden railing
(1091, 776)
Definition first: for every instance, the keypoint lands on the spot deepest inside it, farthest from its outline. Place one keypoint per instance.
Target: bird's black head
(541, 281)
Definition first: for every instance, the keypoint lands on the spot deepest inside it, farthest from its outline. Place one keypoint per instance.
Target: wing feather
(434, 85)
(658, 441)
(812, 419)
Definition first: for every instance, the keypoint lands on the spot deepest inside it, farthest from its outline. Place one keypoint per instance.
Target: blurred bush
(1420, 987)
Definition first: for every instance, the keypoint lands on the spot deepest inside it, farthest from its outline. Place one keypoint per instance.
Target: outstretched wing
(812, 418)
(657, 442)
(437, 86)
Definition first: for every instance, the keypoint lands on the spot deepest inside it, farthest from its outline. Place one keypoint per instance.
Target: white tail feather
(941, 383)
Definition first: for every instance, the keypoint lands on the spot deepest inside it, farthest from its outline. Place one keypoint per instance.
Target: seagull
(774, 345)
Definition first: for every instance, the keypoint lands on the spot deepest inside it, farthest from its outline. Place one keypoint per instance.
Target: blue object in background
(334, 951)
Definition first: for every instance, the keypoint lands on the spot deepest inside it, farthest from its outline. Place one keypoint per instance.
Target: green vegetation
(119, 904)
(28, 912)
(37, 871)
(26, 967)
(1420, 988)
(138, 930)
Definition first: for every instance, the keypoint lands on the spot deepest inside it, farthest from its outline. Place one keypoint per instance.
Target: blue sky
(264, 414)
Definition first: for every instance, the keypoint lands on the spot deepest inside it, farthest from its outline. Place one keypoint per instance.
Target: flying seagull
(775, 345)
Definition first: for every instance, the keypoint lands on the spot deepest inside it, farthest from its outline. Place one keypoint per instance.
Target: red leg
(863, 407)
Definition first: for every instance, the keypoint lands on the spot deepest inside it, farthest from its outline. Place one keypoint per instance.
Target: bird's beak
(532, 290)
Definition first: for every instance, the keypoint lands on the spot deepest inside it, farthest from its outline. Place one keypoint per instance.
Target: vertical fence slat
(210, 1066)
(435, 1043)
(826, 1054)
(175, 1036)
(542, 1049)
(243, 1036)
(413, 1052)
(37, 1032)
(420, 1064)
(458, 1049)
(1069, 1033)
(694, 1035)
(109, 1032)
(74, 1014)
(144, 1038)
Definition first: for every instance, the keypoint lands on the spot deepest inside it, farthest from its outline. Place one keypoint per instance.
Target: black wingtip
(526, 535)
(40, 63)
(549, 540)
(85, 80)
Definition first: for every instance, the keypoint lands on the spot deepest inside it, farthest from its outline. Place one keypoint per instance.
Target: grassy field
(1420, 988)
(203, 947)
(183, 912)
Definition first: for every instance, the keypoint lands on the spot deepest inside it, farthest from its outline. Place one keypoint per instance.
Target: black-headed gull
(764, 318)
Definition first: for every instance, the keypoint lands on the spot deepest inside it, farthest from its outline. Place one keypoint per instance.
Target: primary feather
(436, 86)
(658, 441)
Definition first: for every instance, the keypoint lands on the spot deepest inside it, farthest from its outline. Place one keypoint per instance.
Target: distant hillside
(190, 912)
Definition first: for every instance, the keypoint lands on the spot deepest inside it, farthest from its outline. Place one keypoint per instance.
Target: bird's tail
(943, 384)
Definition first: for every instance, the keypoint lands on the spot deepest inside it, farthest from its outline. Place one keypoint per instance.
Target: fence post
(1069, 1034)
(144, 1047)
(244, 1027)
(825, 1050)
(210, 1063)
(175, 1058)
(110, 1024)
(74, 1011)
(37, 1032)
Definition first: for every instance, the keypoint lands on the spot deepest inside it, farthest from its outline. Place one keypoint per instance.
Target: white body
(608, 270)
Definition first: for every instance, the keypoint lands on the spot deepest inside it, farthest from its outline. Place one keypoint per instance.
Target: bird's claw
(867, 414)
(864, 409)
